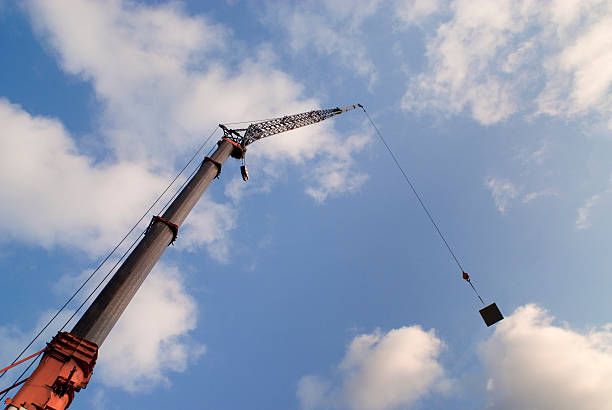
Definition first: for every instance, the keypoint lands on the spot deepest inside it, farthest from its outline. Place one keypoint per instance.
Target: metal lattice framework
(259, 130)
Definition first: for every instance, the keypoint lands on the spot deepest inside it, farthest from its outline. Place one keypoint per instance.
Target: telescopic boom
(67, 364)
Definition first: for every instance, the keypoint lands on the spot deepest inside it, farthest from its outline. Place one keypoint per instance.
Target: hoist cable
(418, 197)
(61, 309)
(475, 291)
(416, 194)
(249, 122)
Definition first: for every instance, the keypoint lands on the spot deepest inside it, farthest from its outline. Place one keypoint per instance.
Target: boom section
(259, 130)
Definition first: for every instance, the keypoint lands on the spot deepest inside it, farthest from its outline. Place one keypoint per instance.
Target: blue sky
(319, 284)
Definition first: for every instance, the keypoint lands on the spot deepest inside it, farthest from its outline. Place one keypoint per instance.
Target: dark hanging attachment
(491, 314)
(243, 171)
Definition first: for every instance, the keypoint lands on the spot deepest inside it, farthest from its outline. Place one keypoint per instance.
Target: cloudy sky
(320, 283)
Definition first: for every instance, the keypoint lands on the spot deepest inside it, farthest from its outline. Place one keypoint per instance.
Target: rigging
(491, 313)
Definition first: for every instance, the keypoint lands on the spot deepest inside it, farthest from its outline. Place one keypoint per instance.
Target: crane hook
(243, 171)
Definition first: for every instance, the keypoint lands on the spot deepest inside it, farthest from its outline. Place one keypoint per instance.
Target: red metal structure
(65, 368)
(69, 359)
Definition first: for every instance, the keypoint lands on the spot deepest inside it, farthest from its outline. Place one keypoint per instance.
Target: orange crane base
(65, 368)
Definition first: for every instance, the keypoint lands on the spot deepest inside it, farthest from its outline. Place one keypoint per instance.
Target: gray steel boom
(104, 312)
(68, 361)
(106, 309)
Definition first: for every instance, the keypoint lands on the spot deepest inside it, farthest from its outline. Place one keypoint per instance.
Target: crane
(68, 362)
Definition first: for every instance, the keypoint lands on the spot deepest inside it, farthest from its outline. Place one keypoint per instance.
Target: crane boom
(259, 130)
(67, 364)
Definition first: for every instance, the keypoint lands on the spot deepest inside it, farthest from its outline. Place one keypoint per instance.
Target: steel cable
(418, 197)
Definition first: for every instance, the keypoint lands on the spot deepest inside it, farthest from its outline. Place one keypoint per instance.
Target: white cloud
(536, 364)
(99, 401)
(581, 74)
(538, 156)
(381, 371)
(312, 393)
(503, 192)
(458, 73)
(162, 81)
(165, 78)
(210, 225)
(586, 210)
(336, 30)
(335, 176)
(53, 194)
(143, 63)
(151, 337)
(130, 53)
(415, 11)
(538, 194)
(330, 29)
(500, 58)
